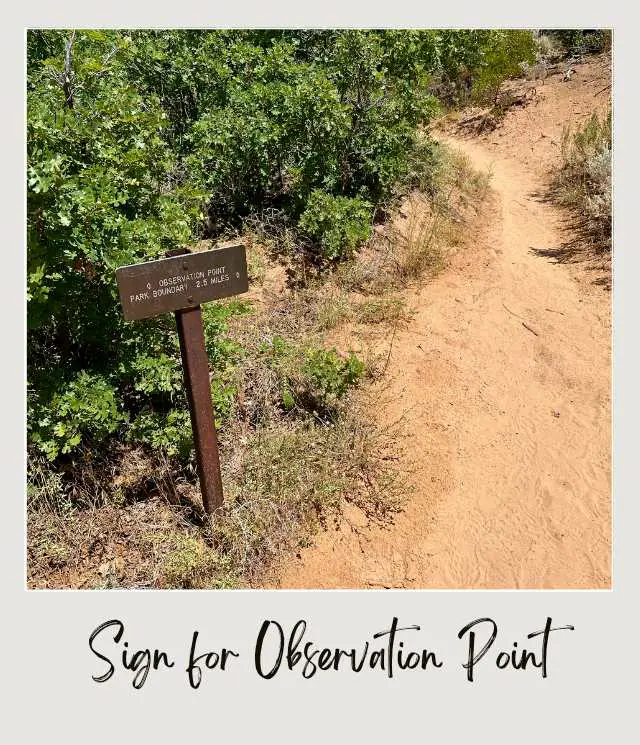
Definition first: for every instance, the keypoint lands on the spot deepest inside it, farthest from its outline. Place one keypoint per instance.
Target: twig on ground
(524, 323)
(512, 313)
(393, 336)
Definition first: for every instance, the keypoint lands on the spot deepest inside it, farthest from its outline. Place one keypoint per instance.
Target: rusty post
(195, 364)
(196, 375)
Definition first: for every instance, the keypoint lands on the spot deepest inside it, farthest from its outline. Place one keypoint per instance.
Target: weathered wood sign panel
(180, 282)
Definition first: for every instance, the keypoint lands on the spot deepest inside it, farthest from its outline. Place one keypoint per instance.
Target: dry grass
(283, 480)
(584, 180)
(414, 244)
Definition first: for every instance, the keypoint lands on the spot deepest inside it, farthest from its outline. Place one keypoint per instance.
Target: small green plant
(339, 225)
(330, 376)
(308, 377)
(87, 406)
(169, 431)
(222, 350)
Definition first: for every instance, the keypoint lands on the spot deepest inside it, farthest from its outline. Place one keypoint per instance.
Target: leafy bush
(141, 141)
(97, 197)
(86, 407)
(502, 55)
(169, 431)
(339, 225)
(473, 63)
(329, 376)
(310, 378)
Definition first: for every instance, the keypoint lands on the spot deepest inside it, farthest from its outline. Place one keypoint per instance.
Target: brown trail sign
(180, 283)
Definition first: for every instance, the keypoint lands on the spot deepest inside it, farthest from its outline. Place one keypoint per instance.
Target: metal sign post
(180, 283)
(196, 376)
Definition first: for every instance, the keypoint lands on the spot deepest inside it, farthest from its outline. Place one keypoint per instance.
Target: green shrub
(475, 62)
(338, 225)
(97, 197)
(329, 376)
(156, 375)
(309, 377)
(502, 54)
(159, 137)
(276, 137)
(83, 407)
(222, 350)
(169, 431)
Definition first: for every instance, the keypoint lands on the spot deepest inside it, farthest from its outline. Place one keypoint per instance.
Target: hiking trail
(503, 379)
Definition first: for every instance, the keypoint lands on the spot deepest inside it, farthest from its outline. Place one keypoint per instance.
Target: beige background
(46, 663)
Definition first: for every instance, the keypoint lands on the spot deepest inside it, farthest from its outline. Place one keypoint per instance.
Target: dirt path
(503, 377)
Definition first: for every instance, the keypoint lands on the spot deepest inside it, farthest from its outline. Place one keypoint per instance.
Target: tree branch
(67, 74)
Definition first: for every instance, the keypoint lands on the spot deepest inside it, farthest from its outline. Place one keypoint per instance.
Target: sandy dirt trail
(508, 426)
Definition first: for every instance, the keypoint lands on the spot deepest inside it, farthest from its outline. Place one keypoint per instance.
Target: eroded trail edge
(503, 379)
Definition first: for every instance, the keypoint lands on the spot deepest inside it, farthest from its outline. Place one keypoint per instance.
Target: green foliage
(475, 62)
(329, 375)
(274, 138)
(309, 110)
(98, 196)
(152, 139)
(338, 224)
(85, 407)
(222, 351)
(168, 426)
(169, 431)
(311, 378)
(155, 375)
(502, 53)
(461, 48)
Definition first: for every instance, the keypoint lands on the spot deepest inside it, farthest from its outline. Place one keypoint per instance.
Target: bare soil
(502, 379)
